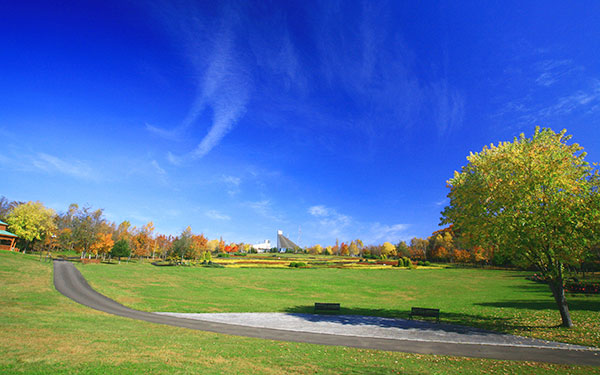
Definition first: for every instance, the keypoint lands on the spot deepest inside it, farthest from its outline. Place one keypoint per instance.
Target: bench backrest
(327, 306)
(424, 311)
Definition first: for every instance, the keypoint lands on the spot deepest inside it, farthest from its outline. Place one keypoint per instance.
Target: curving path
(69, 281)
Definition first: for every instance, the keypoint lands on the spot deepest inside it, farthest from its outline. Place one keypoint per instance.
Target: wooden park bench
(424, 312)
(327, 306)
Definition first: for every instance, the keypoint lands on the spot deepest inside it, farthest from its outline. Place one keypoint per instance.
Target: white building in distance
(262, 247)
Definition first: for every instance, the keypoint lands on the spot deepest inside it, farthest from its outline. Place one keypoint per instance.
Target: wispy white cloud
(224, 83)
(275, 52)
(377, 69)
(232, 184)
(216, 215)
(329, 224)
(108, 169)
(287, 62)
(172, 134)
(442, 202)
(358, 57)
(52, 164)
(551, 71)
(318, 210)
(173, 159)
(550, 89)
(525, 112)
(566, 104)
(263, 208)
(393, 233)
(136, 167)
(225, 89)
(140, 219)
(450, 107)
(231, 180)
(158, 168)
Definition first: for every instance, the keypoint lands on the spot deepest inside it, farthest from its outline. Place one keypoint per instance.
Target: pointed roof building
(284, 243)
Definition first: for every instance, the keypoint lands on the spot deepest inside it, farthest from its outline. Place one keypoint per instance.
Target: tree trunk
(558, 291)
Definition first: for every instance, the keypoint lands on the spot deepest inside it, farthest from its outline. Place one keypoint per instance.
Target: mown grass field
(493, 299)
(43, 332)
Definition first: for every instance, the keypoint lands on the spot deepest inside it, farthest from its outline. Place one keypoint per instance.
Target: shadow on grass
(380, 317)
(533, 287)
(574, 304)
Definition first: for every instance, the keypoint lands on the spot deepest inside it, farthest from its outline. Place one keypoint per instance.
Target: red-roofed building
(7, 239)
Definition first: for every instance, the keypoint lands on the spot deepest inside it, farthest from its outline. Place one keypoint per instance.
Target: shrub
(297, 264)
(426, 263)
(222, 255)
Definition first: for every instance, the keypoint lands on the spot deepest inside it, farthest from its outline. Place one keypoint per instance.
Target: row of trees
(441, 246)
(86, 231)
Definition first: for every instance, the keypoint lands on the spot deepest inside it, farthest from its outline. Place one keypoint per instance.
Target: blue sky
(337, 119)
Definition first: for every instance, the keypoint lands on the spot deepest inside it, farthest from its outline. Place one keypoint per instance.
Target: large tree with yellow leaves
(535, 199)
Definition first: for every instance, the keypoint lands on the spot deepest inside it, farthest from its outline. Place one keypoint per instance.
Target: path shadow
(448, 320)
(382, 322)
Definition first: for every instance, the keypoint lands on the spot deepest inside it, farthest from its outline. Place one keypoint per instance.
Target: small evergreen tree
(121, 249)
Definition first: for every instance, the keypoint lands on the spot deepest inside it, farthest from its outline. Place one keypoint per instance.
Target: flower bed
(579, 287)
(571, 286)
(536, 278)
(387, 262)
(87, 261)
(257, 262)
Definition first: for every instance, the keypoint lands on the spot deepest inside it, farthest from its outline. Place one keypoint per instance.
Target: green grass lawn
(43, 332)
(493, 299)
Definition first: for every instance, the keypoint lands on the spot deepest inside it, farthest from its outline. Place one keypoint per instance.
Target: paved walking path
(372, 326)
(359, 332)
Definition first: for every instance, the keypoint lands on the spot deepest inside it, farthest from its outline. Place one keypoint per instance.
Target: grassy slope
(43, 332)
(498, 300)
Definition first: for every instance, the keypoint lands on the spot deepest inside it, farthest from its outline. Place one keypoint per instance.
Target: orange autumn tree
(344, 249)
(163, 245)
(418, 248)
(143, 241)
(232, 248)
(198, 246)
(103, 245)
(481, 255)
(461, 256)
